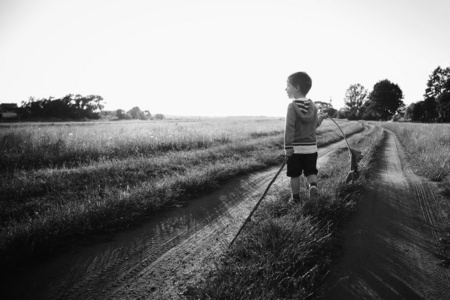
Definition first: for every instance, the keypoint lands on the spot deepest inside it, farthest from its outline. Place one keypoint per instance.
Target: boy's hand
(289, 152)
(324, 116)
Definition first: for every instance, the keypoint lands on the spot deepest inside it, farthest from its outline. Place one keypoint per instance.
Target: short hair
(302, 81)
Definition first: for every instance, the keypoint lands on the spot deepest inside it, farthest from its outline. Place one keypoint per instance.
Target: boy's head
(301, 82)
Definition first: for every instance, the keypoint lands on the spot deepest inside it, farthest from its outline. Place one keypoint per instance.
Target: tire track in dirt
(434, 215)
(391, 248)
(161, 257)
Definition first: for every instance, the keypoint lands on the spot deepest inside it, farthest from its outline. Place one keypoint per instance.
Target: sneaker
(293, 201)
(313, 191)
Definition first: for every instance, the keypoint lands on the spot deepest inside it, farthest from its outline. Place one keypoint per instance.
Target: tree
(385, 99)
(159, 117)
(147, 114)
(438, 86)
(69, 107)
(326, 107)
(443, 106)
(323, 105)
(418, 112)
(354, 99)
(423, 111)
(409, 111)
(342, 113)
(137, 114)
(368, 112)
(122, 115)
(437, 82)
(430, 112)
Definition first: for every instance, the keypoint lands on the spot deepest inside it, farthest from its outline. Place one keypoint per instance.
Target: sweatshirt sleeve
(290, 128)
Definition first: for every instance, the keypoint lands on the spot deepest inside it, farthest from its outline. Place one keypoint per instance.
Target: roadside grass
(427, 147)
(283, 253)
(88, 186)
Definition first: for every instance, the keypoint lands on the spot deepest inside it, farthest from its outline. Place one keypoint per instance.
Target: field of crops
(64, 181)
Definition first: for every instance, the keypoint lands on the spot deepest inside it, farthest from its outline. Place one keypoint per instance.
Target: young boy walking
(300, 141)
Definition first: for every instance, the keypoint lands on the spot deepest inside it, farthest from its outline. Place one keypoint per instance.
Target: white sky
(217, 57)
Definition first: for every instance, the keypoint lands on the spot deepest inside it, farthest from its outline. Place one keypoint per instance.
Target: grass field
(285, 254)
(67, 181)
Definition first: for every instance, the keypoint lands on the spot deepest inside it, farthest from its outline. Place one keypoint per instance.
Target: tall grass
(69, 146)
(37, 147)
(59, 182)
(284, 253)
(427, 147)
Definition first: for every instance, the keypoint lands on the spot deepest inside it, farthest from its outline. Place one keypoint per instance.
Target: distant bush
(75, 107)
(122, 115)
(137, 114)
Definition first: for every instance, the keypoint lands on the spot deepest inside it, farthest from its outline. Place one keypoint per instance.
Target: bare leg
(295, 185)
(311, 178)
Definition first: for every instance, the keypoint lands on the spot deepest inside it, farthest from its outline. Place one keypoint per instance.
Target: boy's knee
(311, 172)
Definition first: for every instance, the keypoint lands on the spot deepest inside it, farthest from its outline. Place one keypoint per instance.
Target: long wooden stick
(259, 201)
(343, 135)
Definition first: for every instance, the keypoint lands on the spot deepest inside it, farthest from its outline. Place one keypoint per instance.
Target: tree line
(73, 107)
(136, 114)
(436, 104)
(76, 107)
(382, 103)
(385, 101)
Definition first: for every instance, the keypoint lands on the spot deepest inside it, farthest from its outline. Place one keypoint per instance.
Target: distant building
(8, 107)
(8, 111)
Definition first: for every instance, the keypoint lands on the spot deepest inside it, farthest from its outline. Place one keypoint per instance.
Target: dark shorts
(302, 163)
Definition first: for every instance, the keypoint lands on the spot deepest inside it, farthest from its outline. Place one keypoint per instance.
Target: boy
(300, 141)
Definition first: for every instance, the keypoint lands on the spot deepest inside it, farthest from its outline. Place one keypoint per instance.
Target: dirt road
(394, 246)
(158, 259)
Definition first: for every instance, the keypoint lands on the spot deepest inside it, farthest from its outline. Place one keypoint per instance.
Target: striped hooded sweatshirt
(302, 121)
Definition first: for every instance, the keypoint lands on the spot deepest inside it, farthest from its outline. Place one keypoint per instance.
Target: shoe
(293, 201)
(313, 191)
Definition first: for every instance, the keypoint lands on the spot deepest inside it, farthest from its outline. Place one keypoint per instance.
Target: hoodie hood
(309, 115)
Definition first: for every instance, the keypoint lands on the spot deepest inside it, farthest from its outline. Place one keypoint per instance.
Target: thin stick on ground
(259, 201)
